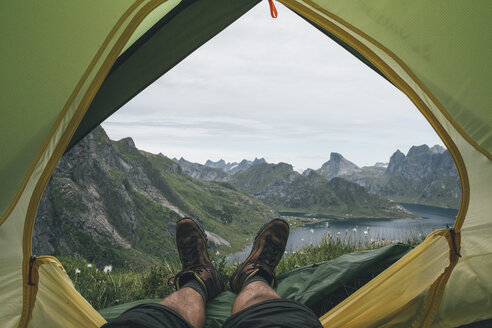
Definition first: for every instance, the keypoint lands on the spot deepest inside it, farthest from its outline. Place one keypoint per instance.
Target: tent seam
(448, 116)
(419, 103)
(402, 85)
(71, 127)
(58, 121)
(28, 227)
(423, 108)
(434, 295)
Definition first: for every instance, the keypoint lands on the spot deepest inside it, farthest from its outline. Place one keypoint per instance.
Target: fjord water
(430, 219)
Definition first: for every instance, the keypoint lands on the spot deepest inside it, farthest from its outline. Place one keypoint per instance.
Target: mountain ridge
(425, 175)
(111, 203)
(279, 186)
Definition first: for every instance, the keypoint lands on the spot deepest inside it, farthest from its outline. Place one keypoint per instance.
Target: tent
(67, 65)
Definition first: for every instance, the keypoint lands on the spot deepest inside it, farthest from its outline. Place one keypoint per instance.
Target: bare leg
(189, 304)
(253, 293)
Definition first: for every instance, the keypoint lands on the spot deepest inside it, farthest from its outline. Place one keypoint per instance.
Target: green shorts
(276, 313)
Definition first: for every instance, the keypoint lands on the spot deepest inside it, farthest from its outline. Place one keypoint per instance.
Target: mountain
(279, 186)
(234, 167)
(112, 203)
(424, 176)
(200, 171)
(337, 166)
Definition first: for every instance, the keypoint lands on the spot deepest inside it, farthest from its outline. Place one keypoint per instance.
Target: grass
(103, 287)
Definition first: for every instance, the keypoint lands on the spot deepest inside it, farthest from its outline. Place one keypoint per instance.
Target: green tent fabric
(142, 63)
(308, 285)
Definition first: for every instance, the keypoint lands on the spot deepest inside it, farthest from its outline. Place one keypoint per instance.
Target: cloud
(278, 89)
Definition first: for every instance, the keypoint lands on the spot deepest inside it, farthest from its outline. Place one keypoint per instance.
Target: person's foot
(268, 248)
(193, 253)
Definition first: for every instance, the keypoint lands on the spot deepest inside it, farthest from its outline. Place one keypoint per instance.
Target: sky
(272, 88)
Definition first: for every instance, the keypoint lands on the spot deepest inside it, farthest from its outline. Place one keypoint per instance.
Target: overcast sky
(272, 88)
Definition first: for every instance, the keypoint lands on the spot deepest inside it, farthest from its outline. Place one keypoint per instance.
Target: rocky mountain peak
(283, 166)
(128, 141)
(203, 172)
(337, 166)
(220, 164)
(437, 149)
(258, 161)
(307, 172)
(396, 161)
(98, 134)
(418, 150)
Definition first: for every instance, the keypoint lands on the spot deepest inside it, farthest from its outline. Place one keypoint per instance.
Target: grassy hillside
(111, 203)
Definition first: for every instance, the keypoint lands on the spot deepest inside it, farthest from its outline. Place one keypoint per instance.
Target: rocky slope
(112, 203)
(203, 172)
(279, 186)
(337, 166)
(234, 167)
(424, 176)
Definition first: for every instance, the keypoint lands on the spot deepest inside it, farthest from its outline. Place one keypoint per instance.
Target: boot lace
(191, 260)
(270, 252)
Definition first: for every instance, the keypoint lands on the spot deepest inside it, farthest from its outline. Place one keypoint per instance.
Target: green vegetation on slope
(222, 209)
(279, 186)
(111, 203)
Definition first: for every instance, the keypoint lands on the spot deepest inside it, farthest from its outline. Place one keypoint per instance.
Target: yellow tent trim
(405, 67)
(53, 280)
(67, 106)
(33, 282)
(434, 294)
(402, 85)
(29, 292)
(381, 287)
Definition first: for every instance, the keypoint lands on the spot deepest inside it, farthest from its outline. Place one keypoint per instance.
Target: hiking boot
(193, 253)
(268, 248)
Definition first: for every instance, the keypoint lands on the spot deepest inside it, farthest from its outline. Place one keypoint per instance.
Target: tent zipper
(30, 281)
(32, 289)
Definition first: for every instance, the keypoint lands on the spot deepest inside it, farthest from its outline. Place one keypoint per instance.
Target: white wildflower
(302, 239)
(89, 265)
(338, 233)
(77, 271)
(108, 269)
(217, 253)
(354, 230)
(366, 232)
(312, 231)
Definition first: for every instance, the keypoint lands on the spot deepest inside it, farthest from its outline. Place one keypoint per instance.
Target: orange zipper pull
(273, 10)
